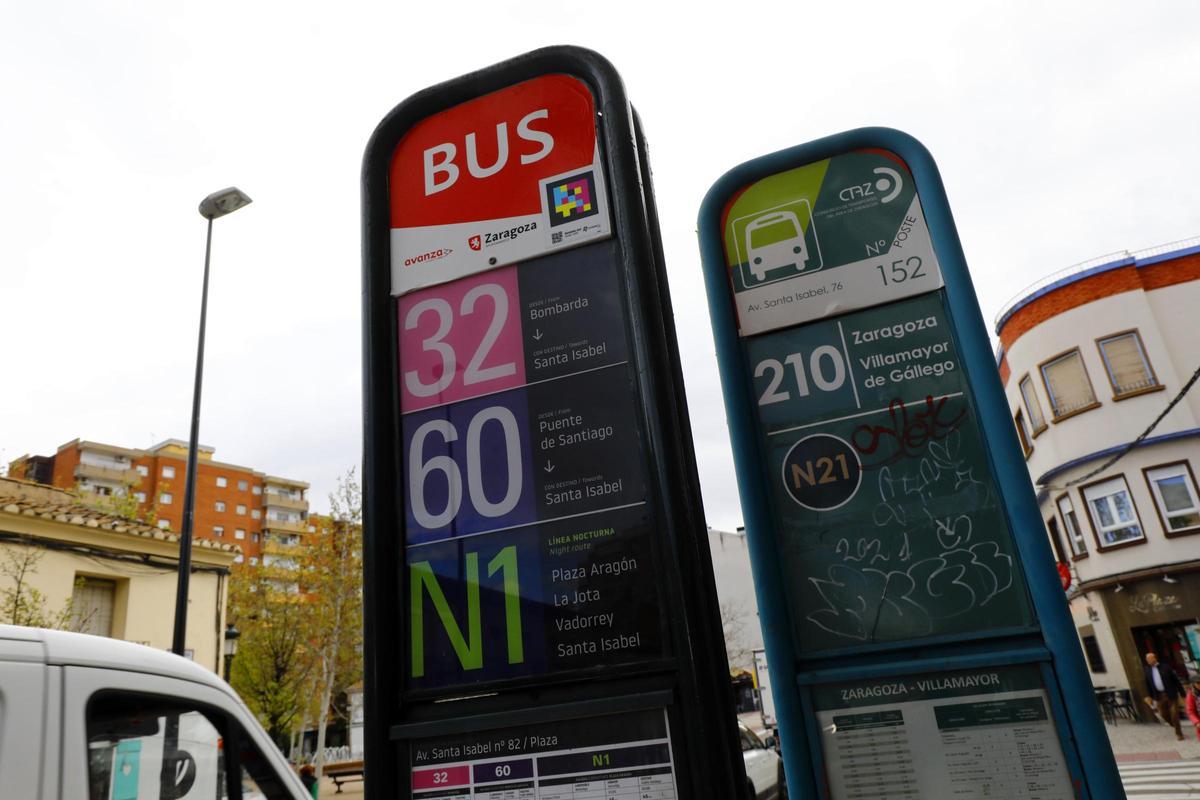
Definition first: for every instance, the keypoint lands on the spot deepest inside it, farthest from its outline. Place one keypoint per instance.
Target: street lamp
(231, 641)
(217, 204)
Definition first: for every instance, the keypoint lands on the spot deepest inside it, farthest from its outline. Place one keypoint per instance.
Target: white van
(90, 718)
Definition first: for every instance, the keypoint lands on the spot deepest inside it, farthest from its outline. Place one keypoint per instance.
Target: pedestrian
(308, 776)
(1164, 686)
(1193, 704)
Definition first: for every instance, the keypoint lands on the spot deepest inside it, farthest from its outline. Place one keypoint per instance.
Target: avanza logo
(442, 173)
(432, 255)
(476, 242)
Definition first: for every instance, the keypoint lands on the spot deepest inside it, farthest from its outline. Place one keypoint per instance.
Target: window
(1091, 649)
(1071, 524)
(143, 470)
(168, 472)
(1174, 489)
(1032, 406)
(1125, 362)
(141, 496)
(239, 558)
(254, 561)
(1060, 555)
(165, 524)
(239, 534)
(255, 513)
(1023, 434)
(92, 606)
(1068, 385)
(218, 531)
(241, 510)
(1113, 515)
(103, 491)
(243, 486)
(129, 748)
(220, 506)
(257, 490)
(222, 482)
(166, 499)
(254, 537)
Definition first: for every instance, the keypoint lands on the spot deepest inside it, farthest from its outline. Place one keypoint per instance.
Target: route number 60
(419, 469)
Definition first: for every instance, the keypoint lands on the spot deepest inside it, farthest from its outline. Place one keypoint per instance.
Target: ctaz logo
(475, 242)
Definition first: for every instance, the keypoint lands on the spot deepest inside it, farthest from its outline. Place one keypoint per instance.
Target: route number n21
(826, 367)
(823, 470)
(468, 646)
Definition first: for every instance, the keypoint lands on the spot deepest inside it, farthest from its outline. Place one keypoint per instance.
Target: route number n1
(469, 647)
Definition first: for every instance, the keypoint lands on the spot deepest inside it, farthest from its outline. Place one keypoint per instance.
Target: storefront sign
(618, 756)
(971, 734)
(1154, 603)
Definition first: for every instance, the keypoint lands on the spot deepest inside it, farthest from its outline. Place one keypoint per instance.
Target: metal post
(189, 492)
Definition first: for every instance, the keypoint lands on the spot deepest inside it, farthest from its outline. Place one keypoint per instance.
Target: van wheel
(783, 792)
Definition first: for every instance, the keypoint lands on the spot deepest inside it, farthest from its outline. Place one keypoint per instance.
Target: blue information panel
(528, 526)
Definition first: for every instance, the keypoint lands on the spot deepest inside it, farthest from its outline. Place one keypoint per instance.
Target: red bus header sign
(502, 178)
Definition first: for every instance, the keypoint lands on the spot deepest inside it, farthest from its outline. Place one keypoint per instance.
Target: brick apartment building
(234, 504)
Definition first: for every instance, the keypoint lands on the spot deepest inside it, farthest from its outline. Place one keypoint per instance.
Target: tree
(734, 621)
(271, 670)
(21, 603)
(332, 575)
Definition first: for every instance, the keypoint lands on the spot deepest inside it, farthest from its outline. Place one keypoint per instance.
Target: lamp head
(231, 639)
(226, 201)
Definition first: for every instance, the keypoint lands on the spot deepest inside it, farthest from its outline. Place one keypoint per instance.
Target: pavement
(350, 791)
(1152, 741)
(1160, 780)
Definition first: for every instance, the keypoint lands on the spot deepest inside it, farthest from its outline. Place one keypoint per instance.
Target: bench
(343, 772)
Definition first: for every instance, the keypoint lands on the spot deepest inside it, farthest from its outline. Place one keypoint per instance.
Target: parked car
(764, 766)
(90, 718)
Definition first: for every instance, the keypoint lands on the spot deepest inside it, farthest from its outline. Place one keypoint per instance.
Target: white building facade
(1090, 359)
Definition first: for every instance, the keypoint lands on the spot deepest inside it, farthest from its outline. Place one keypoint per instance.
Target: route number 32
(436, 343)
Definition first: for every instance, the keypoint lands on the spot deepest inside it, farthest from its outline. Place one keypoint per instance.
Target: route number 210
(826, 367)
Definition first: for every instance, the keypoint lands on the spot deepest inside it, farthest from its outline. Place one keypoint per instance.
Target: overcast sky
(1063, 131)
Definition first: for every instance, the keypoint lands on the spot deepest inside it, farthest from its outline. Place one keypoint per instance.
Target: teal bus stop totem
(915, 627)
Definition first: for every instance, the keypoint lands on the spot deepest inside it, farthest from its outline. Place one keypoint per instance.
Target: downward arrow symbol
(549, 467)
(537, 335)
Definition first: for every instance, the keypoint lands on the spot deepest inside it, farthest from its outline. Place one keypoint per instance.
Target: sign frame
(1050, 644)
(692, 685)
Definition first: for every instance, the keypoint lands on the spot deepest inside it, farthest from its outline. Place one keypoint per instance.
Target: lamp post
(217, 204)
(231, 641)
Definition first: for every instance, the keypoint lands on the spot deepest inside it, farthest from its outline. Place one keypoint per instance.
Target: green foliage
(271, 669)
(301, 627)
(21, 603)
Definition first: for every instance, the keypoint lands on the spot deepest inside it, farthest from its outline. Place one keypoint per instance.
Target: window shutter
(1126, 367)
(1031, 404)
(92, 606)
(1067, 381)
